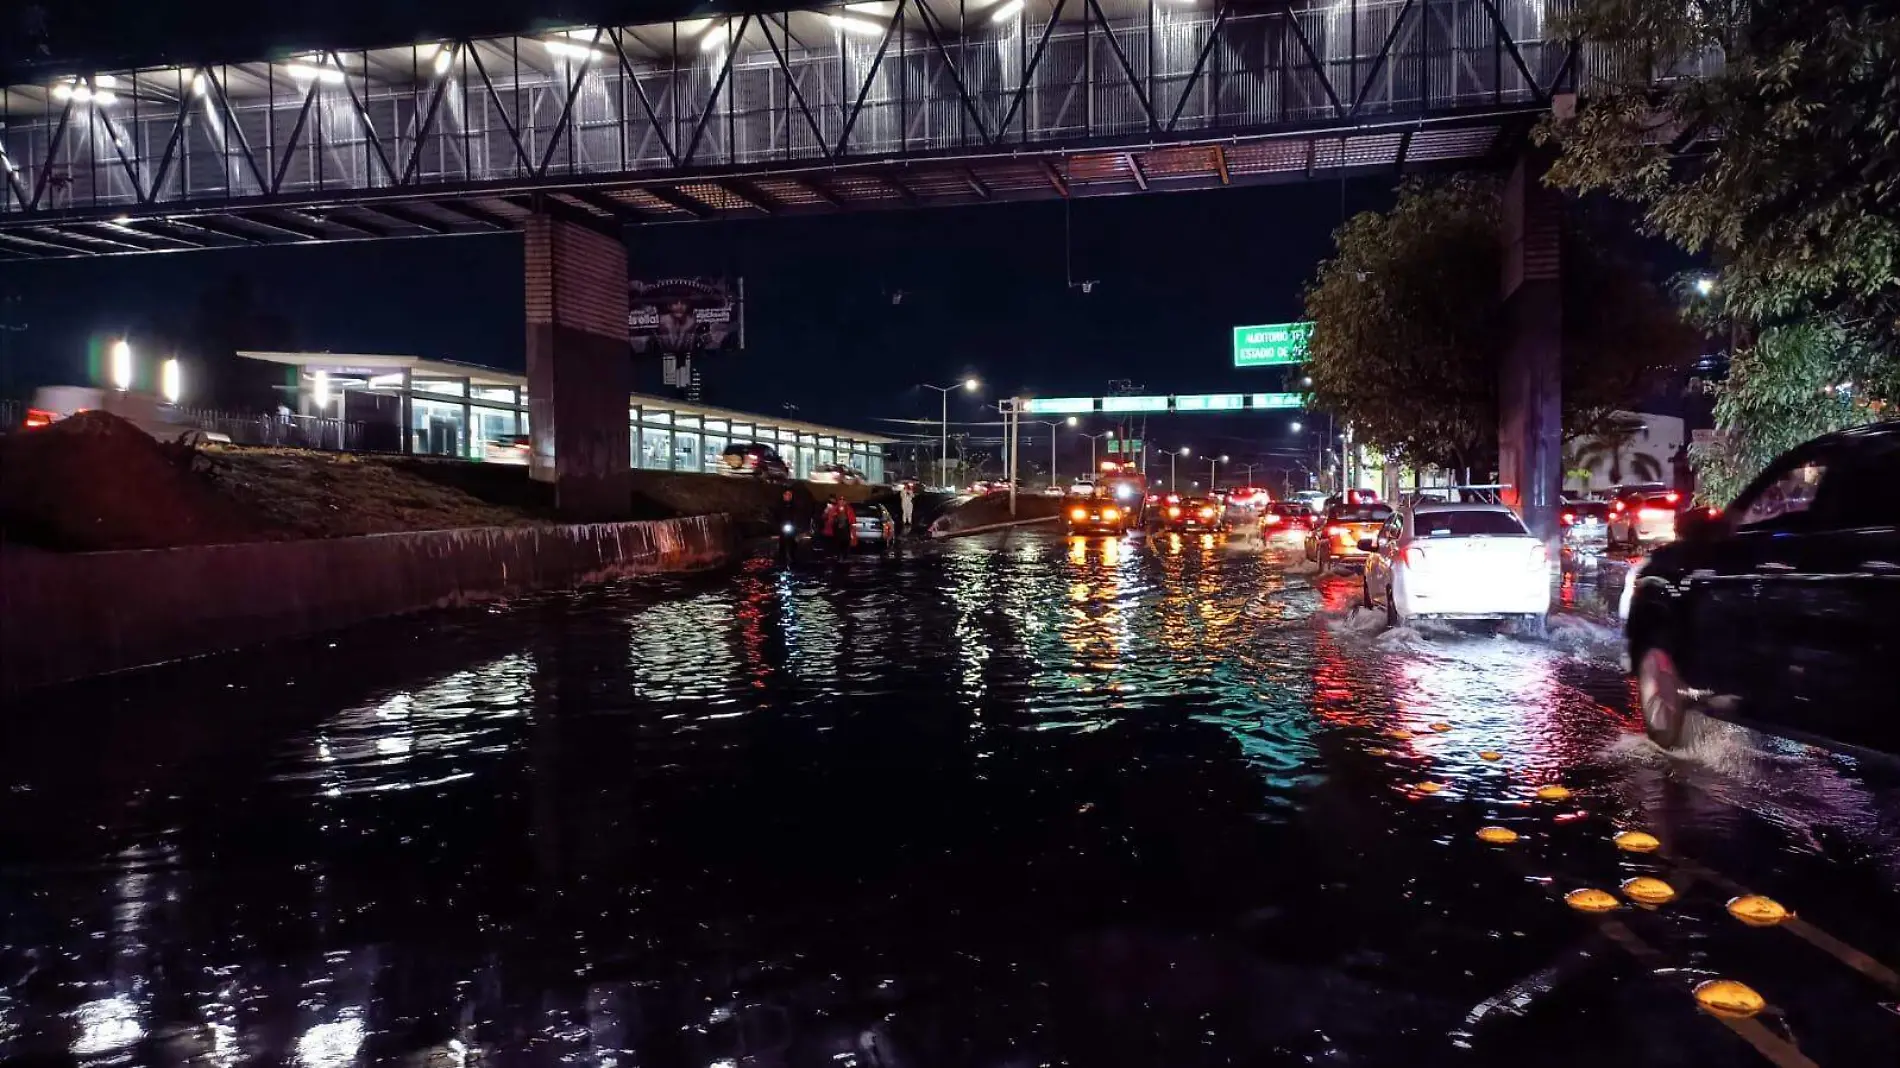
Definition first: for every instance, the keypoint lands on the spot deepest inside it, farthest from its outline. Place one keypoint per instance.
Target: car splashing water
(1000, 800)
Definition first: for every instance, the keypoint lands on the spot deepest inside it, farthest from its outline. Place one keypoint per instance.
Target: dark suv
(1780, 612)
(754, 459)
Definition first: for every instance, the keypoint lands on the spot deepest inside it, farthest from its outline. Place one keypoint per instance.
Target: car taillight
(1174, 512)
(1570, 518)
(1270, 520)
(1174, 499)
(1207, 513)
(1672, 497)
(1111, 514)
(1540, 557)
(1336, 531)
(1414, 555)
(1616, 506)
(1078, 514)
(1654, 513)
(39, 417)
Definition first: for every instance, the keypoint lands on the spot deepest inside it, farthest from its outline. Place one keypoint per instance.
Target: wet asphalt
(1010, 800)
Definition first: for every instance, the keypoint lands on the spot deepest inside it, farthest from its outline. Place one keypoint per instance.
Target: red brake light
(39, 417)
(1672, 497)
(1270, 520)
(1173, 511)
(1335, 531)
(1617, 506)
(1569, 518)
(1207, 513)
(1654, 513)
(1414, 555)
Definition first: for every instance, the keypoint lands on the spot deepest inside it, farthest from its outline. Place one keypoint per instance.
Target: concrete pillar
(1530, 386)
(580, 370)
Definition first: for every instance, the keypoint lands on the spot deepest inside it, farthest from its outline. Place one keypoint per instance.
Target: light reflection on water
(808, 817)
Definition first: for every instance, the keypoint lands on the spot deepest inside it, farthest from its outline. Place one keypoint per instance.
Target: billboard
(681, 319)
(1274, 343)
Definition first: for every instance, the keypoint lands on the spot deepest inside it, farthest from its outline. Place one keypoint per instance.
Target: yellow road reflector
(1649, 890)
(1399, 733)
(1441, 727)
(1553, 792)
(1490, 754)
(1758, 911)
(1497, 835)
(1590, 899)
(1726, 997)
(1637, 842)
(1429, 787)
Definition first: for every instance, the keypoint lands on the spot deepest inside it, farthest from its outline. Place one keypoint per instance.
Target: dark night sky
(984, 293)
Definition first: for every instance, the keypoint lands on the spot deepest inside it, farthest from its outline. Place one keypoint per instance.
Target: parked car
(874, 526)
(1458, 561)
(752, 460)
(1195, 514)
(147, 411)
(1779, 611)
(1644, 515)
(509, 449)
(835, 475)
(1337, 538)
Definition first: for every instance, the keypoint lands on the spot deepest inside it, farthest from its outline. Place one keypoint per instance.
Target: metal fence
(289, 431)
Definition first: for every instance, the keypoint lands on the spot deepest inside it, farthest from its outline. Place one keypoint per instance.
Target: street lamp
(1704, 286)
(1070, 421)
(1093, 438)
(121, 364)
(169, 381)
(1296, 426)
(943, 440)
(1213, 482)
(1174, 483)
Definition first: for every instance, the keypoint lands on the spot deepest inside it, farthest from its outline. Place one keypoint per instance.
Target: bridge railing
(806, 88)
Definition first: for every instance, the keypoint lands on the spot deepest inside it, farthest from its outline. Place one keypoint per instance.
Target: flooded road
(1002, 801)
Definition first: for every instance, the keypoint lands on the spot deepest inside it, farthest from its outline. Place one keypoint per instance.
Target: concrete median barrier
(70, 615)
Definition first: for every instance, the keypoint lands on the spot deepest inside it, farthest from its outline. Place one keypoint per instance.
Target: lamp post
(943, 439)
(1213, 480)
(1174, 483)
(1070, 421)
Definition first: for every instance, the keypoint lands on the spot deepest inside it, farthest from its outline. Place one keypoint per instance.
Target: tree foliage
(1774, 147)
(1408, 327)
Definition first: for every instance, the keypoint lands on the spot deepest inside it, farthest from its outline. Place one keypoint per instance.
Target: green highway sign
(1210, 402)
(1134, 404)
(1060, 405)
(1276, 400)
(1131, 446)
(1271, 345)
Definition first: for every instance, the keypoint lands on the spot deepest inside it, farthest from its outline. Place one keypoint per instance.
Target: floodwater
(1003, 801)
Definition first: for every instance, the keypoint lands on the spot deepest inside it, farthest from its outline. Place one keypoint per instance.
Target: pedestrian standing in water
(785, 518)
(907, 498)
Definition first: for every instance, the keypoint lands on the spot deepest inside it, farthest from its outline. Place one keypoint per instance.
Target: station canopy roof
(369, 365)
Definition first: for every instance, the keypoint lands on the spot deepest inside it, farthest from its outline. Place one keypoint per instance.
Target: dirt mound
(313, 494)
(95, 482)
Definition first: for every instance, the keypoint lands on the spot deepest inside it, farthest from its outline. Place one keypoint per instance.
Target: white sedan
(1458, 561)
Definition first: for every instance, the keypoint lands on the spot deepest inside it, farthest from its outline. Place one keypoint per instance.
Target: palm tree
(1609, 444)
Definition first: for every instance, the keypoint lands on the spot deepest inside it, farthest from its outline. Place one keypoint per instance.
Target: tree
(1772, 144)
(1607, 448)
(1408, 332)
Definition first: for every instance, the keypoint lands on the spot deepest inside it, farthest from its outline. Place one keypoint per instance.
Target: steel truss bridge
(888, 104)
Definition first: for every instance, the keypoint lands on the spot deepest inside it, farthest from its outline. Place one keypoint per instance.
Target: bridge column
(580, 371)
(1530, 385)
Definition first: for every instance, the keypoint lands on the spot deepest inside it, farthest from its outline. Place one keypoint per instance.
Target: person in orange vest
(841, 523)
